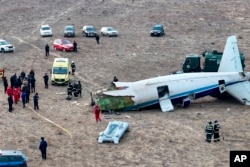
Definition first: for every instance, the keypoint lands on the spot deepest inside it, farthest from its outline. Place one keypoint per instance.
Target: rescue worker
(9, 91)
(75, 90)
(209, 131)
(32, 73)
(216, 131)
(10, 102)
(75, 46)
(97, 112)
(22, 75)
(46, 79)
(5, 84)
(97, 38)
(69, 91)
(43, 148)
(35, 99)
(79, 88)
(46, 50)
(73, 67)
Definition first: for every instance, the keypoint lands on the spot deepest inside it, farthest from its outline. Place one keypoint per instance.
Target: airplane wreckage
(180, 88)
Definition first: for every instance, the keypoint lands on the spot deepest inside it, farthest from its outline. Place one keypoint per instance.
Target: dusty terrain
(156, 139)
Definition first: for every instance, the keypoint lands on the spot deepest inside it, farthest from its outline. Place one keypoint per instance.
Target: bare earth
(155, 139)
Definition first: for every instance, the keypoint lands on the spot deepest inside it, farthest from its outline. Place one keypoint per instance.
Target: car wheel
(108, 35)
(102, 34)
(2, 50)
(86, 35)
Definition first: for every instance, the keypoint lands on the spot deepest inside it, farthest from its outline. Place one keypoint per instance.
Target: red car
(63, 44)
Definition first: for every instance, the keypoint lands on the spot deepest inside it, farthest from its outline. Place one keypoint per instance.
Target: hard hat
(210, 122)
(72, 61)
(215, 121)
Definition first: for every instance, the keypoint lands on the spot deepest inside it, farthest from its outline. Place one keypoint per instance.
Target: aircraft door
(222, 86)
(164, 101)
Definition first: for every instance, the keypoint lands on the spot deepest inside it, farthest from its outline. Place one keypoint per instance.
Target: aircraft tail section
(230, 61)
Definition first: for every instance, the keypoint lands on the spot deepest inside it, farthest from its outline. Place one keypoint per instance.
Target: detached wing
(240, 91)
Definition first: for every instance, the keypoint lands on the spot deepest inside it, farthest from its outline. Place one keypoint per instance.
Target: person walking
(46, 79)
(33, 84)
(5, 84)
(43, 148)
(73, 67)
(10, 102)
(79, 88)
(97, 112)
(97, 38)
(209, 131)
(35, 99)
(46, 50)
(216, 131)
(13, 80)
(75, 46)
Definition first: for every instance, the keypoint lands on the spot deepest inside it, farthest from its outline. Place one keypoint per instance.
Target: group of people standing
(212, 130)
(21, 87)
(74, 90)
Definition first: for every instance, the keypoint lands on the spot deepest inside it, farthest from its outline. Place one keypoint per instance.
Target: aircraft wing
(240, 91)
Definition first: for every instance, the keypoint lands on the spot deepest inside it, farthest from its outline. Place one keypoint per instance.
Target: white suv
(45, 30)
(109, 31)
(5, 46)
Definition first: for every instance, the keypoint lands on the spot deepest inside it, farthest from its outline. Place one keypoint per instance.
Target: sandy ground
(156, 139)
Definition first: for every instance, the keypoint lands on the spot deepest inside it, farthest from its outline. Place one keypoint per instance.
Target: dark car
(12, 158)
(157, 30)
(88, 31)
(69, 31)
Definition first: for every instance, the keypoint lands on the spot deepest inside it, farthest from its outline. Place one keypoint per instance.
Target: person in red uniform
(97, 112)
(16, 95)
(9, 91)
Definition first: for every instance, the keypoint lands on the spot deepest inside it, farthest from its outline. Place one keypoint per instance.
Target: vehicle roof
(88, 26)
(46, 25)
(157, 25)
(69, 26)
(2, 40)
(10, 152)
(61, 60)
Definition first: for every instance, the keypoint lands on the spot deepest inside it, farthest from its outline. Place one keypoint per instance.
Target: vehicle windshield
(4, 43)
(60, 70)
(65, 41)
(156, 28)
(111, 29)
(90, 29)
(45, 28)
(69, 28)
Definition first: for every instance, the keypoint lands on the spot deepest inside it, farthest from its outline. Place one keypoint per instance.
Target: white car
(109, 31)
(5, 46)
(45, 30)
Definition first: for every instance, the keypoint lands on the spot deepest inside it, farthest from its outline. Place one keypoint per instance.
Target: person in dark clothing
(32, 73)
(97, 38)
(209, 131)
(18, 82)
(10, 102)
(75, 90)
(79, 88)
(32, 84)
(46, 79)
(22, 75)
(5, 84)
(35, 99)
(73, 67)
(27, 94)
(216, 131)
(13, 80)
(69, 90)
(115, 79)
(46, 50)
(75, 46)
(43, 148)
(23, 96)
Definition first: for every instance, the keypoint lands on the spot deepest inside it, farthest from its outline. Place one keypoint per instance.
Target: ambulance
(60, 71)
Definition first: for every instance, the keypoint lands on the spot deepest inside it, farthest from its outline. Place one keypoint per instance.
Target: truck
(210, 63)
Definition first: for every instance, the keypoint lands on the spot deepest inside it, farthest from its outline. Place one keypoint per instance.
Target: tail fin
(230, 61)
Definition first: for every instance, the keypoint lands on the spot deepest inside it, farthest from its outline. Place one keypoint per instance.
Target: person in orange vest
(97, 112)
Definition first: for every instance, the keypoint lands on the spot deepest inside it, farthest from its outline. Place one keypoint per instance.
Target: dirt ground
(156, 139)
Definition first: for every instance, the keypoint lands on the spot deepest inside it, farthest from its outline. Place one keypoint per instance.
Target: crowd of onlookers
(21, 87)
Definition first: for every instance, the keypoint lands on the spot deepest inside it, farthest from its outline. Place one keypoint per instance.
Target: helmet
(210, 122)
(72, 61)
(215, 121)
